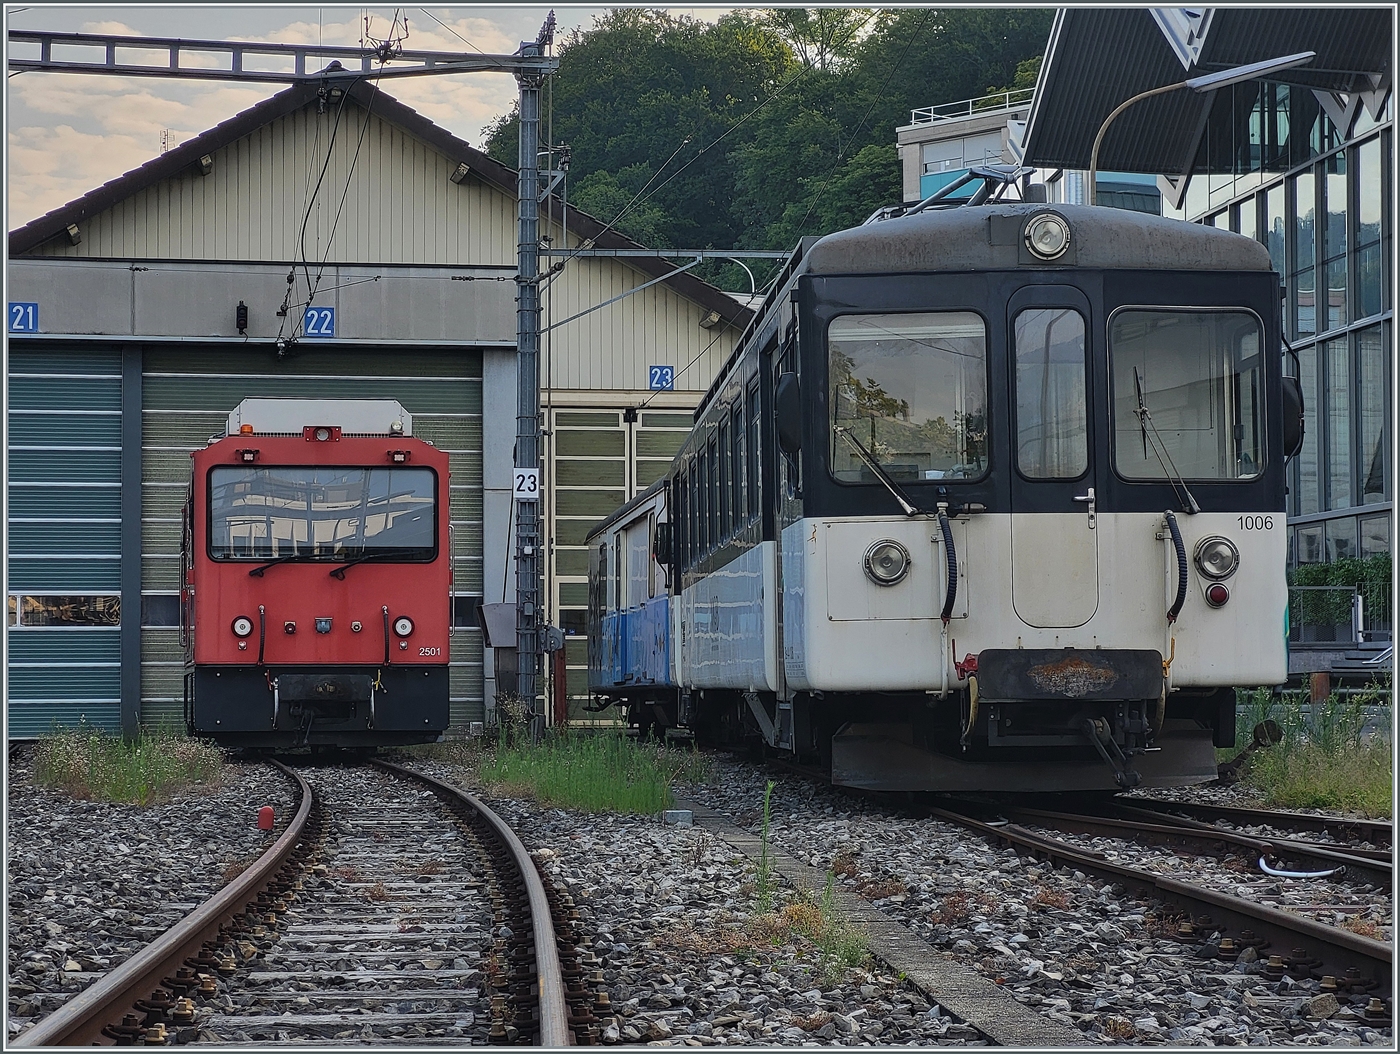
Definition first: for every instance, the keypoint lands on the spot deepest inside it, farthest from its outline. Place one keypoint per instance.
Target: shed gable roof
(186, 157)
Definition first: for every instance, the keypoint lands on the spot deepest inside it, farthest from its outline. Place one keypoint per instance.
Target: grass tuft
(1326, 759)
(840, 944)
(93, 765)
(606, 772)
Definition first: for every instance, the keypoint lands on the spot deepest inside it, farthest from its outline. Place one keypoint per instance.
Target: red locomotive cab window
(322, 513)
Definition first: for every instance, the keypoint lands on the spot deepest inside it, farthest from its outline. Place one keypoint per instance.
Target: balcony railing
(1330, 616)
(1006, 100)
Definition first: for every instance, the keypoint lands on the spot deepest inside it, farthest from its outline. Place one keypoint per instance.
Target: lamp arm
(1098, 139)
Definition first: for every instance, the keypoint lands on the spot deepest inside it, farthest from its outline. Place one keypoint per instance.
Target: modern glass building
(1304, 164)
(1313, 183)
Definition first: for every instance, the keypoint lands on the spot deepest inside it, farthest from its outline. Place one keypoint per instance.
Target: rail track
(396, 909)
(1354, 967)
(1274, 855)
(1342, 828)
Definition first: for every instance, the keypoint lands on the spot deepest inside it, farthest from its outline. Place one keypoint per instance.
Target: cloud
(68, 134)
(50, 166)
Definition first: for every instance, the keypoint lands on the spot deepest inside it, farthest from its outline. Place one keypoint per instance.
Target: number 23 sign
(527, 484)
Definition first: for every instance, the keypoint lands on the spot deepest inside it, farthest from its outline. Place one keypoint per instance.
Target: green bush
(1332, 607)
(94, 765)
(607, 772)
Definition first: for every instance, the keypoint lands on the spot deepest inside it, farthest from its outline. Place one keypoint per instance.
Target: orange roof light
(245, 429)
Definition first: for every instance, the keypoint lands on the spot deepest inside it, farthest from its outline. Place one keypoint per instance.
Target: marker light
(1217, 594)
(1217, 557)
(1047, 236)
(242, 626)
(245, 429)
(886, 562)
(322, 434)
(403, 625)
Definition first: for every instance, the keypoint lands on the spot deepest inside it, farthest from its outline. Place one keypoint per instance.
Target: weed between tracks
(839, 943)
(593, 773)
(1327, 759)
(93, 765)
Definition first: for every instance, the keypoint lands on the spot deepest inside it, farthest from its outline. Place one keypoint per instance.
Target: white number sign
(527, 484)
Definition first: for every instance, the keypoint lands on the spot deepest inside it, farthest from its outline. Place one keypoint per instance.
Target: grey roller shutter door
(64, 522)
(187, 396)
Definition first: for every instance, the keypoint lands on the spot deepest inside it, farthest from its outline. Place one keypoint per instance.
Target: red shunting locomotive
(316, 604)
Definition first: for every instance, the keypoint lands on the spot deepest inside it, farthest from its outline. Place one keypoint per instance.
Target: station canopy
(1099, 57)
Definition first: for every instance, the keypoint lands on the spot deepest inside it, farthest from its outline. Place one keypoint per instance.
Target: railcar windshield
(322, 513)
(911, 390)
(1188, 394)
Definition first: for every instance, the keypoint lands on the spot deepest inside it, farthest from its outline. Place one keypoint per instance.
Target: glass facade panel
(1375, 535)
(1310, 544)
(1301, 260)
(1248, 219)
(1338, 381)
(1306, 461)
(1305, 214)
(1341, 538)
(1372, 357)
(1334, 190)
(1274, 219)
(1369, 264)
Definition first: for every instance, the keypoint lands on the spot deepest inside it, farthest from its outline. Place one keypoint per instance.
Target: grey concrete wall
(498, 400)
(386, 305)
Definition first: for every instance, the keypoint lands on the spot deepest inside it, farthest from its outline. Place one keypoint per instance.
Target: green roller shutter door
(187, 395)
(64, 557)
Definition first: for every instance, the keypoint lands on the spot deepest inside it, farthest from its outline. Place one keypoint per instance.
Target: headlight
(1047, 236)
(242, 626)
(1217, 557)
(403, 625)
(886, 562)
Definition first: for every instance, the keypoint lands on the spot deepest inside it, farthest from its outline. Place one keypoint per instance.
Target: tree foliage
(763, 126)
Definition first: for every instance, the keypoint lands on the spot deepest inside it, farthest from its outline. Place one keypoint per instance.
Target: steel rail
(80, 1021)
(1378, 832)
(1330, 851)
(1337, 950)
(1189, 834)
(554, 1026)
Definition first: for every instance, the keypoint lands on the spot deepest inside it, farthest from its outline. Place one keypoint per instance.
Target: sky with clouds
(68, 133)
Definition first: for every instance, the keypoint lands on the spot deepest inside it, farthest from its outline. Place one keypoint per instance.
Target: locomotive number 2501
(429, 651)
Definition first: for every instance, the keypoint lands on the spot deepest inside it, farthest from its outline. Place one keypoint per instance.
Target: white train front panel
(841, 631)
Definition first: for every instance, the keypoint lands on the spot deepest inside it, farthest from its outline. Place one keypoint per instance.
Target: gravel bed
(669, 909)
(90, 883)
(1366, 907)
(1081, 951)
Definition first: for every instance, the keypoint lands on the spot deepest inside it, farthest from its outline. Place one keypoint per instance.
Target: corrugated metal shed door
(64, 538)
(187, 395)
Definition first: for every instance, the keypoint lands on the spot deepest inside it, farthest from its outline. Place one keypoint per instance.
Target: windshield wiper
(402, 555)
(257, 572)
(1159, 447)
(890, 485)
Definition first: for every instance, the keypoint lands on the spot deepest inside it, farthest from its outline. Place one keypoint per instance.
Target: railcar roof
(960, 239)
(625, 512)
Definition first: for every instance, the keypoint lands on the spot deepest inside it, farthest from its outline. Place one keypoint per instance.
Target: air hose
(262, 631)
(1180, 548)
(385, 609)
(952, 557)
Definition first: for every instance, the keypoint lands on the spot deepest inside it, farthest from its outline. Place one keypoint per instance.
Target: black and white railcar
(986, 499)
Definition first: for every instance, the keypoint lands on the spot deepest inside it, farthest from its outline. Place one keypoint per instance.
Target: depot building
(142, 313)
